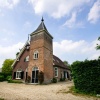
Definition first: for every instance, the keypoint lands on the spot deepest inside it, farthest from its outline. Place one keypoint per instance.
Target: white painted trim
(56, 70)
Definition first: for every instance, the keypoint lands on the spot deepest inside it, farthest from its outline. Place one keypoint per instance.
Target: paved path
(11, 91)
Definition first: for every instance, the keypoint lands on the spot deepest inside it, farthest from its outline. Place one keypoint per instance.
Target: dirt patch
(11, 91)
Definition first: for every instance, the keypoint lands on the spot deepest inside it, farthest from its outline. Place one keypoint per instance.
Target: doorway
(35, 75)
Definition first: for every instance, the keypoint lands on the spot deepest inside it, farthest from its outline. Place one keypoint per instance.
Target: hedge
(3, 76)
(86, 76)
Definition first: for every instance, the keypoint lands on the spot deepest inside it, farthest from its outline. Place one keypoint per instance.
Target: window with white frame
(27, 58)
(56, 71)
(36, 55)
(18, 74)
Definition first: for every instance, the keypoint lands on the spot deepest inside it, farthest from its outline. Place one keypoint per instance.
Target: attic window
(27, 47)
(36, 55)
(27, 58)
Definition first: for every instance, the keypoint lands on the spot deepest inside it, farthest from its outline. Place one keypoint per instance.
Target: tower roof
(41, 27)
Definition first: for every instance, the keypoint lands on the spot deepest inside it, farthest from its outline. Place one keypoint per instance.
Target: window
(27, 58)
(36, 55)
(19, 74)
(56, 71)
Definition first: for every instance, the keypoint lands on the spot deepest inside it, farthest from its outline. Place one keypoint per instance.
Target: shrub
(41, 77)
(1, 78)
(54, 80)
(86, 76)
(15, 81)
(5, 75)
(28, 79)
(9, 78)
(62, 79)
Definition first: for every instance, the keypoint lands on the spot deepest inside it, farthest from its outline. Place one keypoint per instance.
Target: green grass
(1, 99)
(15, 81)
(74, 91)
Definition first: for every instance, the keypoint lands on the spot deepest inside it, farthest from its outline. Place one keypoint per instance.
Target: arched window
(36, 55)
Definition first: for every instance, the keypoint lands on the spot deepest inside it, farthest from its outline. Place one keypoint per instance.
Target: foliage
(6, 68)
(1, 99)
(41, 77)
(5, 76)
(2, 78)
(9, 78)
(28, 79)
(86, 76)
(15, 81)
(62, 79)
(67, 64)
(54, 80)
(98, 45)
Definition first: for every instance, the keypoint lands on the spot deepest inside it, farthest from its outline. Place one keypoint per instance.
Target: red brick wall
(40, 42)
(21, 63)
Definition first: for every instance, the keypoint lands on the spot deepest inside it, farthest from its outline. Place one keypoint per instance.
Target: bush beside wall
(86, 76)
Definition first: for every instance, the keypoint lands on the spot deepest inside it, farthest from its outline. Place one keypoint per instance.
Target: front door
(35, 76)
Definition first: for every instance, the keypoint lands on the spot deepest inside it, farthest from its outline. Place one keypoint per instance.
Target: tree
(98, 45)
(6, 68)
(67, 64)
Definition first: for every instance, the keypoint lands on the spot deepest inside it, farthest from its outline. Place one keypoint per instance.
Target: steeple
(42, 19)
(41, 26)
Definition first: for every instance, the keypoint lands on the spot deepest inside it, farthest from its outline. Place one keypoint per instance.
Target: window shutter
(22, 75)
(14, 76)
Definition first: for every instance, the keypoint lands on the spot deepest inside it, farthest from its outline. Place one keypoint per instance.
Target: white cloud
(8, 3)
(9, 52)
(94, 14)
(56, 8)
(76, 50)
(72, 22)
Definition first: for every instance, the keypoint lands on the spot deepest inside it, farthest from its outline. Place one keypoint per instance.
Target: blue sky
(75, 26)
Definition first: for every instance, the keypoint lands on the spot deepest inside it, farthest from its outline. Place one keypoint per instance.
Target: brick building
(37, 55)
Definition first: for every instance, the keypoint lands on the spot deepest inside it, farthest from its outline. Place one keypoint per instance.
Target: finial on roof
(42, 19)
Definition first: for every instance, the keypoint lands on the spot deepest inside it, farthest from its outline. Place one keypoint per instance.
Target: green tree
(6, 68)
(67, 64)
(98, 45)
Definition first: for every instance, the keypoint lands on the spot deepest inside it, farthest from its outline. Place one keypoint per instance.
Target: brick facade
(41, 42)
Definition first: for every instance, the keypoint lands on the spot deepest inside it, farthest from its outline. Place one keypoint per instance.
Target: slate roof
(41, 27)
(57, 62)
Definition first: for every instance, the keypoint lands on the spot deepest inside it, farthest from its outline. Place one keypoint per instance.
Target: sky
(74, 25)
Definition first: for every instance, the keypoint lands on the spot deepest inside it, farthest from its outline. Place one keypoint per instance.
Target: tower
(41, 54)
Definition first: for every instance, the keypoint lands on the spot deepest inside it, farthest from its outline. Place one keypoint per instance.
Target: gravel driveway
(11, 91)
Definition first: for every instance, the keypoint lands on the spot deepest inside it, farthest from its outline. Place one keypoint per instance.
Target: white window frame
(36, 55)
(18, 74)
(27, 58)
(56, 71)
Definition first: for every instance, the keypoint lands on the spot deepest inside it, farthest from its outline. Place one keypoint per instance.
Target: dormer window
(27, 47)
(36, 55)
(26, 59)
